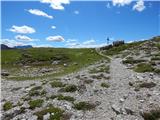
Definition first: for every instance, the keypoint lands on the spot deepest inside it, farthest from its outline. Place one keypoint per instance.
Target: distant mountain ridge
(23, 47)
(4, 47)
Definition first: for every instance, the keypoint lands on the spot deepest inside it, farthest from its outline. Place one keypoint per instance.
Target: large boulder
(118, 42)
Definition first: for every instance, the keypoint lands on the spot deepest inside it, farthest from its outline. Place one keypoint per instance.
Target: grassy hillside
(135, 46)
(69, 60)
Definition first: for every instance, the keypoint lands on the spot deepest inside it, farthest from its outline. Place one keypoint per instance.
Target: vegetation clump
(36, 88)
(35, 103)
(67, 98)
(144, 67)
(8, 105)
(69, 88)
(155, 58)
(57, 84)
(117, 49)
(88, 81)
(84, 106)
(147, 85)
(154, 114)
(157, 71)
(130, 60)
(56, 113)
(35, 91)
(106, 85)
(100, 69)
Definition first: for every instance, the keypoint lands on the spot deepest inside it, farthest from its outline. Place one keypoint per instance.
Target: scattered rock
(46, 116)
(116, 109)
(121, 100)
(5, 73)
(129, 111)
(56, 62)
(65, 65)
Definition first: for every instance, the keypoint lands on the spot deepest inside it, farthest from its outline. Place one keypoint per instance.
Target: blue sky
(77, 23)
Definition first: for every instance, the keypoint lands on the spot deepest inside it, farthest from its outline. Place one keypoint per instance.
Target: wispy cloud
(76, 12)
(108, 5)
(39, 13)
(73, 43)
(22, 29)
(56, 4)
(42, 45)
(57, 38)
(121, 2)
(53, 27)
(24, 38)
(11, 43)
(89, 42)
(139, 6)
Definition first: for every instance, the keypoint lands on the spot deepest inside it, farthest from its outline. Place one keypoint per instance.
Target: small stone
(141, 101)
(67, 78)
(34, 117)
(129, 111)
(121, 100)
(65, 65)
(4, 73)
(116, 109)
(52, 113)
(28, 89)
(46, 116)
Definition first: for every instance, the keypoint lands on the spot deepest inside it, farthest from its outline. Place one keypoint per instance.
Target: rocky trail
(113, 94)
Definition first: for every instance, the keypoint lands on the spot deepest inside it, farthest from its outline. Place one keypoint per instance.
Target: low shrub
(84, 106)
(8, 105)
(143, 67)
(35, 103)
(106, 85)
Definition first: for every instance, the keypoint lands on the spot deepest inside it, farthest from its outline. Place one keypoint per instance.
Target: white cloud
(22, 29)
(118, 12)
(71, 40)
(121, 2)
(53, 27)
(139, 6)
(42, 45)
(39, 13)
(23, 37)
(108, 5)
(11, 43)
(55, 38)
(76, 12)
(73, 43)
(89, 42)
(150, 5)
(57, 7)
(56, 4)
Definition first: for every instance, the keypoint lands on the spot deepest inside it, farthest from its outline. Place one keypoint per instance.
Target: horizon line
(74, 0)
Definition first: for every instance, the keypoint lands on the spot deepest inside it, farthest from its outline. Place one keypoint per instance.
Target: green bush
(57, 84)
(147, 85)
(69, 88)
(155, 58)
(130, 60)
(143, 67)
(151, 115)
(67, 98)
(36, 88)
(157, 71)
(8, 105)
(58, 113)
(35, 103)
(84, 106)
(106, 85)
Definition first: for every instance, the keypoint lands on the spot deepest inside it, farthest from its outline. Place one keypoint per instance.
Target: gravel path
(118, 102)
